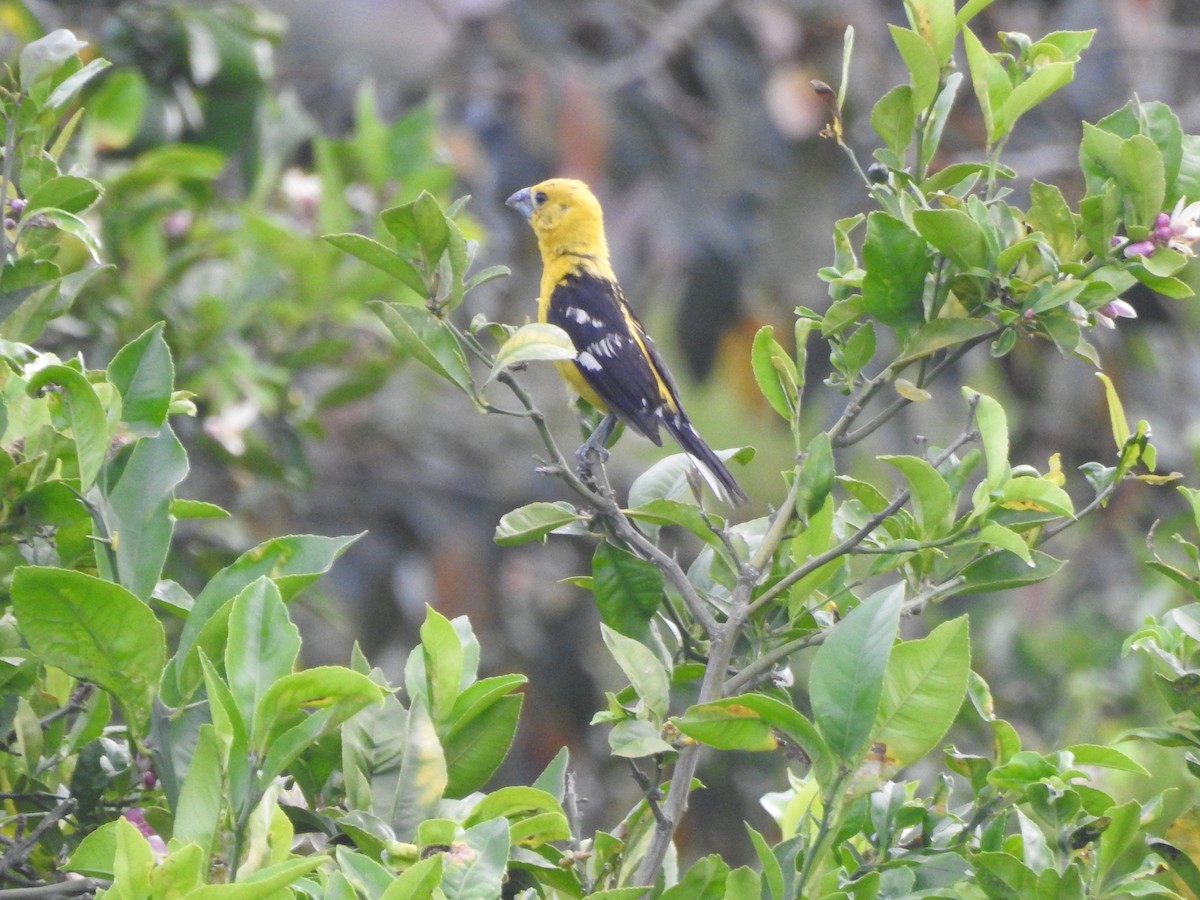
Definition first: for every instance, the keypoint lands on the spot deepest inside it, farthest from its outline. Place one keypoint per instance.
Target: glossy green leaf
(534, 521)
(77, 411)
(340, 690)
(635, 738)
(418, 881)
(757, 722)
(94, 630)
(896, 261)
(922, 64)
(628, 590)
(144, 373)
(923, 688)
(1041, 83)
(774, 371)
(990, 81)
(475, 749)
(262, 646)
(535, 341)
(1001, 571)
(70, 193)
(942, 334)
(135, 506)
(955, 234)
(643, 669)
(382, 258)
(894, 118)
(846, 682)
(423, 779)
(993, 432)
(479, 871)
(264, 884)
(1041, 493)
(292, 562)
(1005, 539)
(427, 339)
(202, 797)
(932, 498)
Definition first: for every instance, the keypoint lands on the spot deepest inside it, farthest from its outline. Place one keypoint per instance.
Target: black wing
(615, 357)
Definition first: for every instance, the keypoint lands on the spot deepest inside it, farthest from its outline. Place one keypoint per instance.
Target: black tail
(719, 478)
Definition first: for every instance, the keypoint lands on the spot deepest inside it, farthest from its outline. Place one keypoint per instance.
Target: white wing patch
(589, 362)
(582, 316)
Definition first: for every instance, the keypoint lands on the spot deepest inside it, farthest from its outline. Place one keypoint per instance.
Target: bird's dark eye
(540, 197)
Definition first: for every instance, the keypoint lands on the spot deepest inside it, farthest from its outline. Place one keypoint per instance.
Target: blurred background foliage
(229, 136)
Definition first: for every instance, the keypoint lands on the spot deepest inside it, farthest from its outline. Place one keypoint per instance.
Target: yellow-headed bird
(617, 368)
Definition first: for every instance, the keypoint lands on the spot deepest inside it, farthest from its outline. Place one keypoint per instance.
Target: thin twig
(22, 848)
(72, 888)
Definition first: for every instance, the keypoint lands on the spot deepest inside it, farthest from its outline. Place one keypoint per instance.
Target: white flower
(1184, 230)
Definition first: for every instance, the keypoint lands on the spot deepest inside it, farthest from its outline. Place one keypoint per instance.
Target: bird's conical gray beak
(522, 202)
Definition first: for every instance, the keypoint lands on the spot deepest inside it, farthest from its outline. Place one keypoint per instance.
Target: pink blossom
(136, 816)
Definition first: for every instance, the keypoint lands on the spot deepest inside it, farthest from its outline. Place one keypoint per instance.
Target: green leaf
(477, 872)
(1116, 412)
(262, 646)
(990, 81)
(1041, 83)
(955, 234)
(264, 884)
(432, 231)
(443, 670)
(291, 562)
(1005, 539)
(144, 374)
(941, 334)
(323, 687)
(95, 854)
(628, 590)
(423, 777)
(1042, 494)
(670, 477)
(816, 476)
(931, 495)
(645, 673)
(846, 682)
(82, 415)
(993, 432)
(636, 738)
(1001, 571)
(894, 118)
(197, 509)
(1003, 875)
(774, 371)
(934, 21)
(923, 688)
(896, 262)
(132, 863)
(427, 339)
(534, 521)
(475, 747)
(1106, 757)
(136, 509)
(93, 630)
(71, 224)
(418, 881)
(116, 107)
(201, 799)
(70, 193)
(922, 64)
(757, 722)
(533, 342)
(1049, 214)
(382, 258)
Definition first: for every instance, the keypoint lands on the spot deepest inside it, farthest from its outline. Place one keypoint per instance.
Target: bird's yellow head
(565, 216)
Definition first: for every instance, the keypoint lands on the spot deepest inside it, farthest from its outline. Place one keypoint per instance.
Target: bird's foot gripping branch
(944, 265)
